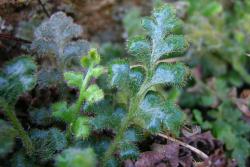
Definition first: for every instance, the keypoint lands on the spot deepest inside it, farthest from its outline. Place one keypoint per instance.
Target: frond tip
(162, 41)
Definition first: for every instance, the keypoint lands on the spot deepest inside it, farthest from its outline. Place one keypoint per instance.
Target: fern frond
(55, 35)
(148, 109)
(161, 40)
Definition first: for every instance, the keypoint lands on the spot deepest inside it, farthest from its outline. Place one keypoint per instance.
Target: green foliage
(63, 112)
(225, 122)
(26, 29)
(80, 127)
(127, 146)
(19, 159)
(217, 37)
(131, 23)
(110, 51)
(48, 143)
(93, 94)
(158, 114)
(109, 112)
(7, 138)
(170, 74)
(107, 116)
(146, 108)
(54, 38)
(212, 7)
(74, 79)
(17, 77)
(161, 30)
(89, 93)
(219, 31)
(41, 116)
(74, 157)
(125, 79)
(232, 131)
(49, 76)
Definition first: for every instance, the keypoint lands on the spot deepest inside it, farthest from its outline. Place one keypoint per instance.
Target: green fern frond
(147, 109)
(156, 115)
(54, 36)
(161, 40)
(77, 124)
(16, 77)
(126, 79)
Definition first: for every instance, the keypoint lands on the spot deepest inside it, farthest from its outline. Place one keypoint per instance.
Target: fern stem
(9, 112)
(83, 89)
(128, 120)
(124, 126)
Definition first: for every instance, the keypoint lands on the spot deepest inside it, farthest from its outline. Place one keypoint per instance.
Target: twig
(197, 151)
(172, 60)
(102, 4)
(10, 37)
(43, 7)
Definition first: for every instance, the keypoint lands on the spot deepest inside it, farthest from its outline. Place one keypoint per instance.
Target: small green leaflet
(74, 79)
(163, 40)
(94, 94)
(75, 157)
(126, 79)
(80, 127)
(158, 115)
(170, 74)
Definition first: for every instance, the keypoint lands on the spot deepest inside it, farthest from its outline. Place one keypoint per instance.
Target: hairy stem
(127, 121)
(9, 112)
(83, 89)
(124, 126)
(80, 100)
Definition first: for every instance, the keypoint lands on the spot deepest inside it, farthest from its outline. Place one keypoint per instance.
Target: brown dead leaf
(242, 104)
(149, 159)
(217, 159)
(168, 155)
(204, 142)
(245, 94)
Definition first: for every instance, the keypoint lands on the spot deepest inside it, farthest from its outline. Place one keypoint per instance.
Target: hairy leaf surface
(47, 143)
(7, 138)
(162, 39)
(17, 77)
(54, 36)
(74, 157)
(170, 74)
(158, 115)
